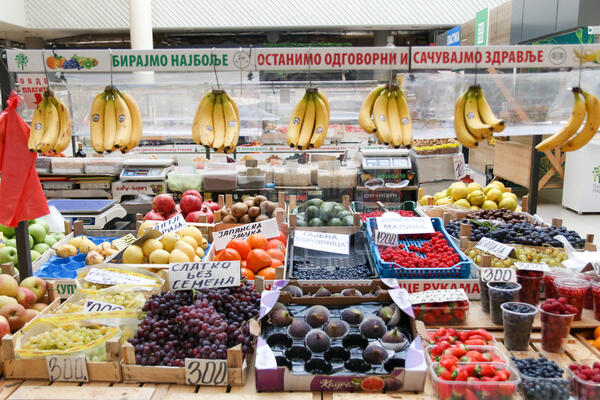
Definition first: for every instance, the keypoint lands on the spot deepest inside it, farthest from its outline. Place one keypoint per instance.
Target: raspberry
(562, 300)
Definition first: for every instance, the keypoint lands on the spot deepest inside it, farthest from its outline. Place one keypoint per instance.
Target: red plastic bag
(20, 189)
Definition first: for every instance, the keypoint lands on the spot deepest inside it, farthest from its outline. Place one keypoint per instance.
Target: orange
(276, 244)
(257, 241)
(278, 254)
(597, 332)
(243, 264)
(257, 260)
(597, 343)
(248, 274)
(241, 246)
(282, 238)
(276, 263)
(217, 255)
(267, 273)
(229, 255)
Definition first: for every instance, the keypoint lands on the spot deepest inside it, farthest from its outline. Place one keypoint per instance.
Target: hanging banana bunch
(567, 139)
(309, 122)
(50, 126)
(217, 122)
(474, 120)
(115, 121)
(385, 113)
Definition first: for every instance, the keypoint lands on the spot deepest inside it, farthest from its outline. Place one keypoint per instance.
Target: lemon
(476, 198)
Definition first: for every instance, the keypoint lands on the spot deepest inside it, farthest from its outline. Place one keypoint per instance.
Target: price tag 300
(205, 372)
(498, 275)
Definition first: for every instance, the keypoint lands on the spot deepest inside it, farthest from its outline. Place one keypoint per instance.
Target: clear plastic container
(183, 179)
(219, 177)
(103, 165)
(454, 312)
(534, 388)
(574, 290)
(490, 354)
(549, 277)
(583, 390)
(555, 331)
(531, 286)
(517, 326)
(500, 293)
(590, 276)
(67, 165)
(292, 175)
(595, 290)
(339, 178)
(251, 182)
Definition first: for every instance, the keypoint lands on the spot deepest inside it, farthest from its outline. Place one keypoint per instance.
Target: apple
(36, 285)
(30, 314)
(34, 255)
(8, 255)
(163, 203)
(11, 243)
(8, 285)
(7, 231)
(190, 203)
(4, 300)
(39, 306)
(153, 216)
(192, 192)
(4, 326)
(26, 297)
(50, 240)
(38, 232)
(15, 314)
(41, 248)
(43, 223)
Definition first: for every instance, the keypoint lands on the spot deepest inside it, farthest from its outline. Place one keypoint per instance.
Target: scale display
(143, 173)
(386, 163)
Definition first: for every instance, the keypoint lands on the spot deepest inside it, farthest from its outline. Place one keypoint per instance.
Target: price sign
(498, 275)
(460, 170)
(322, 241)
(386, 239)
(199, 371)
(95, 305)
(523, 266)
(67, 368)
(174, 224)
(267, 228)
(123, 242)
(405, 225)
(494, 248)
(106, 277)
(203, 275)
(438, 296)
(390, 282)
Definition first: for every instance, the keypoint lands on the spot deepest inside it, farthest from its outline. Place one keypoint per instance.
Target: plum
(317, 341)
(317, 316)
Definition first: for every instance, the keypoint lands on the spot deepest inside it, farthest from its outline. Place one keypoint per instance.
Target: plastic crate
(461, 270)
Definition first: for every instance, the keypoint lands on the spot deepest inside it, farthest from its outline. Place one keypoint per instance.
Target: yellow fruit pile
(473, 196)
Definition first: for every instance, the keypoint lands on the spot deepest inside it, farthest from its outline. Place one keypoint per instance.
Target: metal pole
(5, 82)
(23, 250)
(534, 175)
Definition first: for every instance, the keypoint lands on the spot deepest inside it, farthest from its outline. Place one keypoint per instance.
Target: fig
(375, 354)
(392, 384)
(389, 314)
(293, 290)
(298, 329)
(317, 341)
(394, 340)
(353, 316)
(336, 328)
(351, 292)
(322, 292)
(372, 327)
(316, 316)
(280, 318)
(278, 306)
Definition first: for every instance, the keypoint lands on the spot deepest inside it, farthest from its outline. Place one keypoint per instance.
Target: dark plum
(280, 318)
(317, 341)
(317, 316)
(336, 328)
(353, 316)
(372, 328)
(375, 354)
(298, 329)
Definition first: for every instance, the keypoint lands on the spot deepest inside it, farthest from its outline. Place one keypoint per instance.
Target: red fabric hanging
(20, 189)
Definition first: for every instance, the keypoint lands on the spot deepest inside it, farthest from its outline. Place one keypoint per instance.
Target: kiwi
(230, 219)
(259, 199)
(263, 206)
(254, 211)
(225, 211)
(271, 207)
(239, 209)
(249, 203)
(261, 217)
(245, 219)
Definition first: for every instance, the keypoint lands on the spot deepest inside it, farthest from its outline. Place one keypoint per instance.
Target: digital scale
(146, 169)
(373, 159)
(95, 213)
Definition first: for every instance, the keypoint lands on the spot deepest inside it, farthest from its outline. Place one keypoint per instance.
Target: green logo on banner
(481, 27)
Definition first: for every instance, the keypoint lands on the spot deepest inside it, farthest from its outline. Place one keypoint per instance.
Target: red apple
(153, 216)
(8, 285)
(39, 306)
(163, 203)
(30, 314)
(190, 203)
(26, 297)
(37, 286)
(15, 314)
(192, 192)
(4, 326)
(212, 205)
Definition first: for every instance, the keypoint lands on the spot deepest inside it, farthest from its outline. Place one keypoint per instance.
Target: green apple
(7, 231)
(50, 240)
(44, 224)
(57, 235)
(38, 232)
(41, 247)
(11, 243)
(34, 255)
(7, 255)
(31, 242)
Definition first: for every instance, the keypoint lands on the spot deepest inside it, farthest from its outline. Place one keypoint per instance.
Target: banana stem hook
(212, 60)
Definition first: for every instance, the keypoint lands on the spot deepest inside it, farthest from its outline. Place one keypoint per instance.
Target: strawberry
(443, 373)
(449, 362)
(462, 335)
(457, 351)
(487, 370)
(502, 374)
(476, 342)
(444, 391)
(459, 314)
(486, 335)
(470, 395)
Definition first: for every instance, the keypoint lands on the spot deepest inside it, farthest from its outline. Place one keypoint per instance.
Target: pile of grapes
(551, 256)
(502, 214)
(195, 325)
(520, 233)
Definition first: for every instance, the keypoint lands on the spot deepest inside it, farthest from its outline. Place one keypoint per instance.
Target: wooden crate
(227, 201)
(345, 230)
(512, 161)
(482, 155)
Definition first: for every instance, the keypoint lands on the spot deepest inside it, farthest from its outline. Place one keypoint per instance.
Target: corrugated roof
(256, 14)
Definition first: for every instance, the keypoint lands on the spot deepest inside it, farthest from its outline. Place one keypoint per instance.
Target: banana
(37, 124)
(381, 119)
(321, 123)
(64, 136)
(407, 134)
(293, 132)
(237, 110)
(219, 124)
(573, 124)
(203, 131)
(460, 128)
(136, 121)
(232, 128)
(124, 124)
(394, 119)
(52, 127)
(486, 113)
(477, 128)
(592, 105)
(97, 122)
(366, 109)
(110, 121)
(324, 100)
(308, 125)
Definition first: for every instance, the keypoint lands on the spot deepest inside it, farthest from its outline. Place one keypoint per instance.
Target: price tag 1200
(67, 368)
(498, 275)
(205, 372)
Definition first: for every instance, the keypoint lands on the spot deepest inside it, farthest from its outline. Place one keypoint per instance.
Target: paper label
(405, 225)
(268, 298)
(105, 277)
(460, 170)
(203, 275)
(67, 368)
(497, 275)
(596, 266)
(199, 371)
(494, 248)
(390, 282)
(437, 296)
(400, 298)
(267, 228)
(386, 239)
(95, 305)
(123, 242)
(523, 266)
(174, 224)
(322, 241)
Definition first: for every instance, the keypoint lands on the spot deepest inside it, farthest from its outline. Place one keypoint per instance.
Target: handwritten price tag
(202, 275)
(95, 305)
(494, 248)
(200, 371)
(523, 266)
(386, 239)
(123, 242)
(322, 241)
(437, 296)
(67, 368)
(498, 275)
(460, 169)
(174, 224)
(106, 277)
(405, 225)
(267, 228)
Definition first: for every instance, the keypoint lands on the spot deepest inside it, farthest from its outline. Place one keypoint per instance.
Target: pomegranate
(152, 215)
(205, 210)
(193, 216)
(212, 205)
(190, 203)
(192, 192)
(163, 203)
